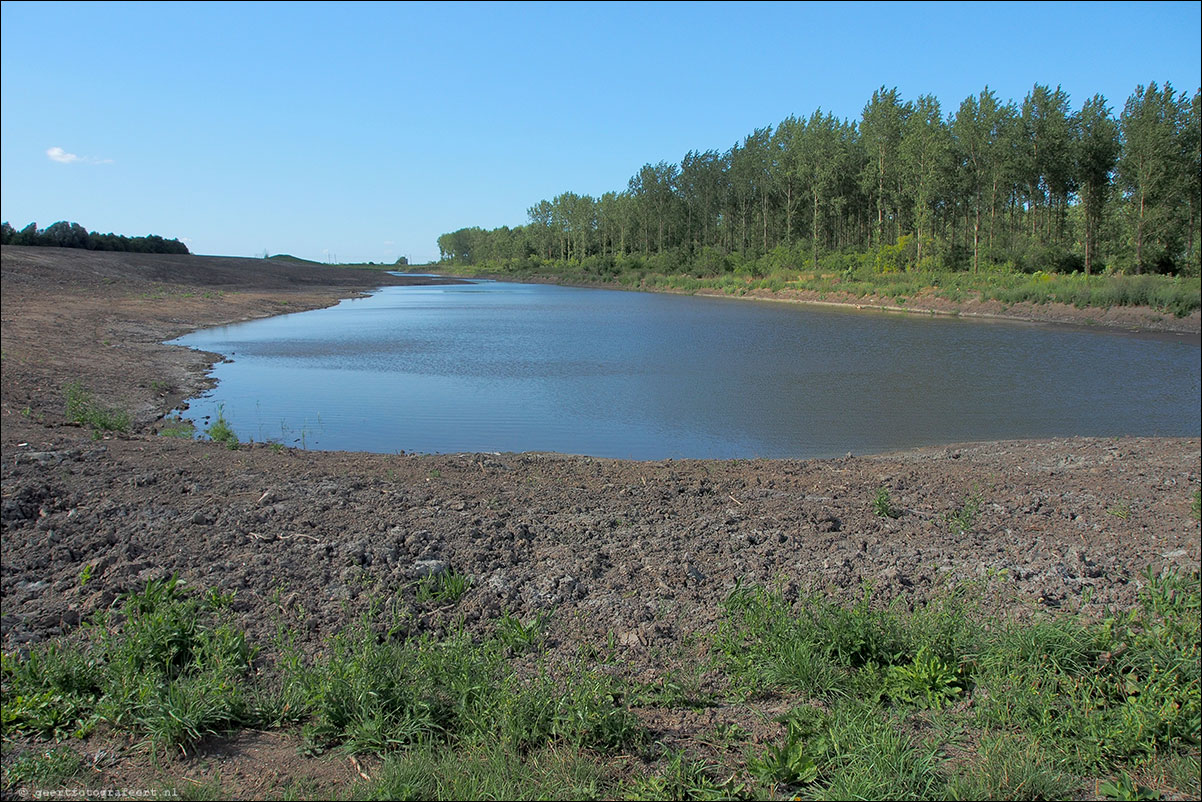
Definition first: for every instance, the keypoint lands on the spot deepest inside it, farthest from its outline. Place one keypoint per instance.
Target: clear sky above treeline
(362, 132)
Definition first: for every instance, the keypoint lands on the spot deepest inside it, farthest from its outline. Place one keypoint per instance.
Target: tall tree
(925, 156)
(1150, 169)
(975, 132)
(1096, 151)
(881, 127)
(1048, 156)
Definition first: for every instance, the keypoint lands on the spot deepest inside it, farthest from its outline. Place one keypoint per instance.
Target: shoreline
(1128, 319)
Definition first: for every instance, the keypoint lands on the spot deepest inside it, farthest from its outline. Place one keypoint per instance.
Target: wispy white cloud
(62, 156)
(57, 154)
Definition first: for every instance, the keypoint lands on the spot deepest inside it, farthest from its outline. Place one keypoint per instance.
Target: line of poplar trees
(1030, 186)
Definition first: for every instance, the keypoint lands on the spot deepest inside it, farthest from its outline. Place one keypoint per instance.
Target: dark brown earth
(642, 552)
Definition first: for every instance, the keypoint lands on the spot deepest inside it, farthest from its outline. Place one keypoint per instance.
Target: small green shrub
(221, 432)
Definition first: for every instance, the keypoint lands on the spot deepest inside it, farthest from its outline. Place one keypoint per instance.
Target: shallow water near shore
(494, 366)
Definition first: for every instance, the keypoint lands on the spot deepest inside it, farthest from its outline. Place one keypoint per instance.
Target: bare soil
(642, 552)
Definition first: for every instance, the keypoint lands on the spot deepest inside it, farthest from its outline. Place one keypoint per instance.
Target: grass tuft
(83, 409)
(221, 432)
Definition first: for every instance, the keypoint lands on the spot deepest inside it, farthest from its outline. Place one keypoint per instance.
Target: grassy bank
(859, 701)
(862, 277)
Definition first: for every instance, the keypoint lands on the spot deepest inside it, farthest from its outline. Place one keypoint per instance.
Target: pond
(495, 366)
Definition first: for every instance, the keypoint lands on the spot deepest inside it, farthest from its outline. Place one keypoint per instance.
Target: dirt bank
(641, 550)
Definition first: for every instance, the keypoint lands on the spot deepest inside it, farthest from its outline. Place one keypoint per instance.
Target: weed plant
(443, 588)
(221, 432)
(963, 519)
(882, 505)
(83, 409)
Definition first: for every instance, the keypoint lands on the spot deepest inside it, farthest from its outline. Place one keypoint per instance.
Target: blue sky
(363, 131)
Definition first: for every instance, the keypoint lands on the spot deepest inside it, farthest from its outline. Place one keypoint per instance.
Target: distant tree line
(72, 235)
(992, 185)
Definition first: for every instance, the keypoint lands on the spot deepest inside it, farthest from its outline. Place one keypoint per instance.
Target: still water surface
(495, 366)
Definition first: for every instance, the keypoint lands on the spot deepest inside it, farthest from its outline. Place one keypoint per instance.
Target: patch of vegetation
(43, 768)
(443, 588)
(177, 426)
(83, 409)
(492, 771)
(1053, 699)
(364, 695)
(683, 777)
(882, 505)
(171, 667)
(963, 519)
(1011, 767)
(1123, 787)
(942, 701)
(519, 636)
(1120, 510)
(220, 431)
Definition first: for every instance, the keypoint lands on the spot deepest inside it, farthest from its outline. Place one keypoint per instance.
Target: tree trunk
(814, 233)
(1139, 236)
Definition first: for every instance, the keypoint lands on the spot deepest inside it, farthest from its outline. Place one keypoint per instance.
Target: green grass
(492, 771)
(83, 409)
(178, 427)
(52, 767)
(943, 701)
(171, 668)
(443, 588)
